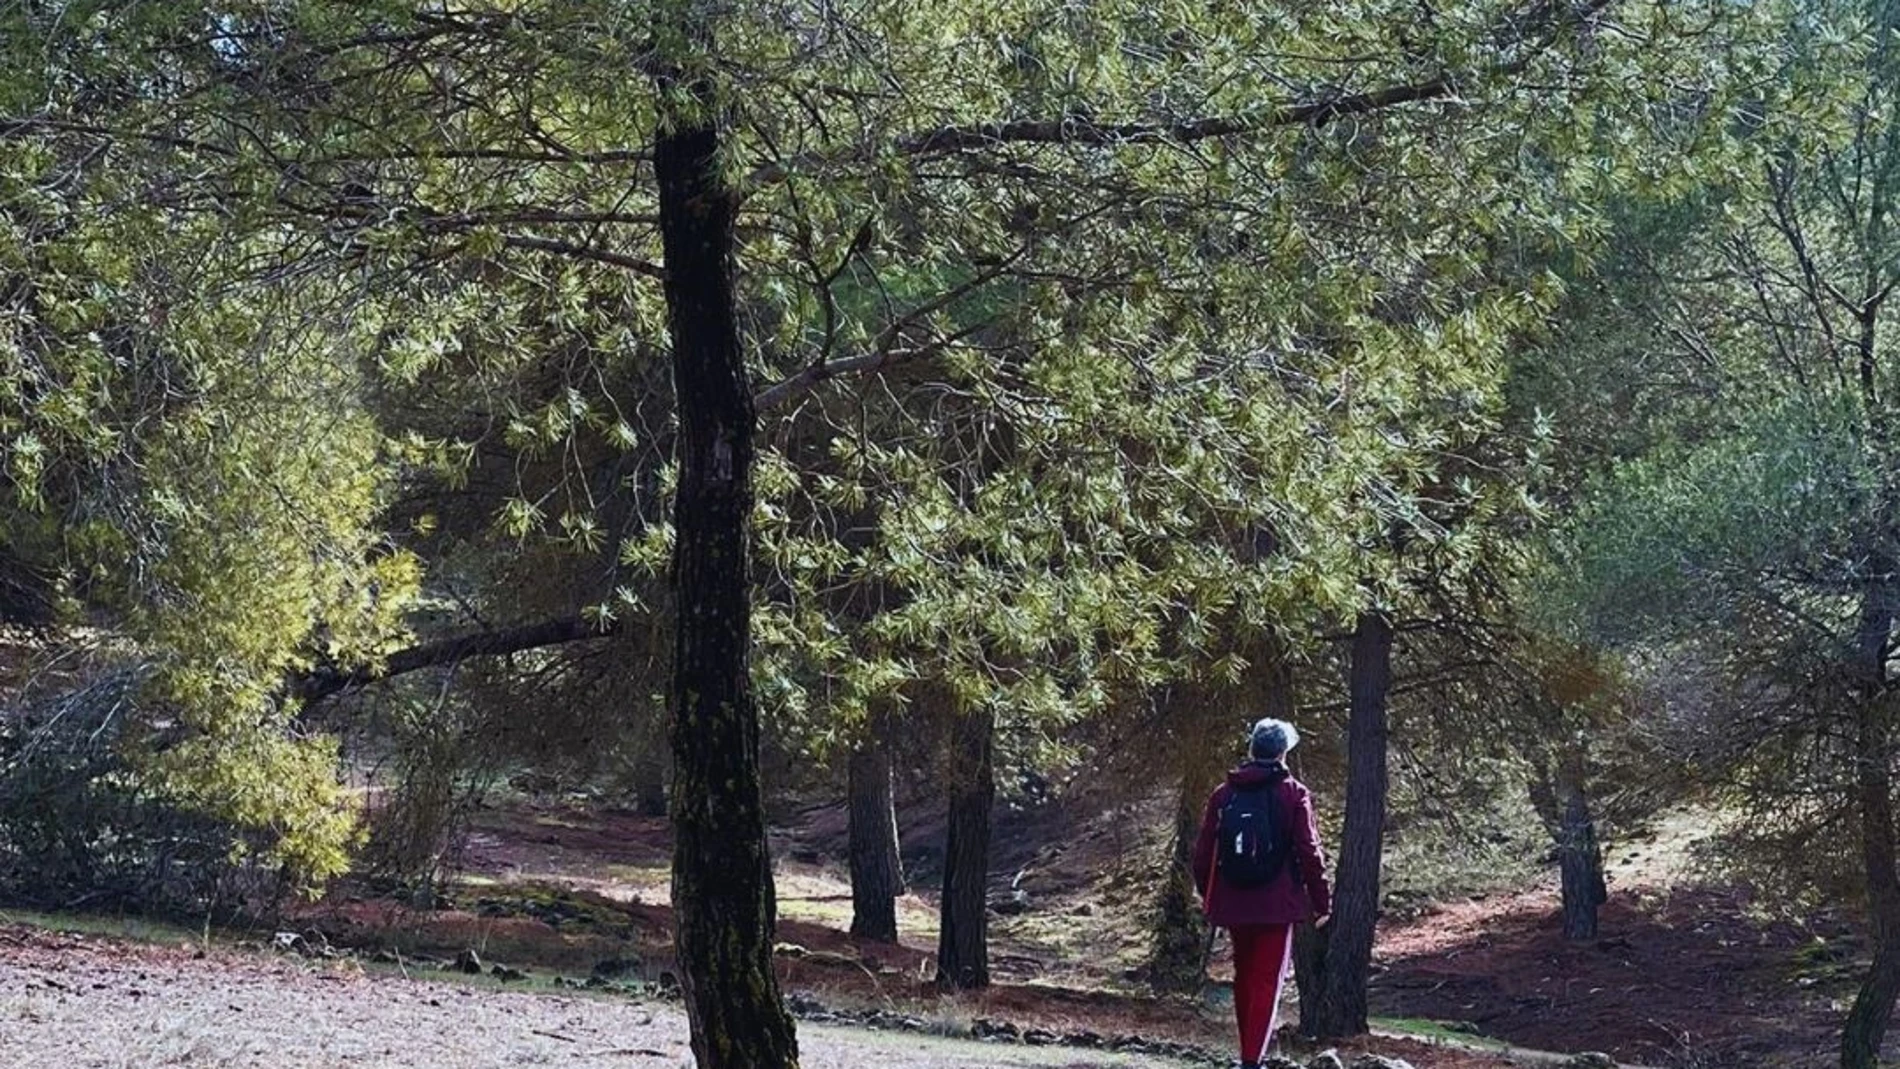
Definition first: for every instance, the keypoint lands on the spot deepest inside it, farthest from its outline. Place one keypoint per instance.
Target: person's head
(1270, 739)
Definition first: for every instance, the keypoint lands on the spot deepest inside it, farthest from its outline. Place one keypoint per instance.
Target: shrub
(81, 826)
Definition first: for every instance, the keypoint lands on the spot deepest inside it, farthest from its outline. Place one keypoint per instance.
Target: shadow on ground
(1688, 978)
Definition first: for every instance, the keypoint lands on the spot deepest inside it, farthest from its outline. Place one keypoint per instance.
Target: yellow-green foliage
(197, 454)
(268, 534)
(266, 556)
(1150, 394)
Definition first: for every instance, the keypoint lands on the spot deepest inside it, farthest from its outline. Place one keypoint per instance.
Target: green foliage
(186, 446)
(1708, 535)
(79, 826)
(1739, 552)
(1099, 345)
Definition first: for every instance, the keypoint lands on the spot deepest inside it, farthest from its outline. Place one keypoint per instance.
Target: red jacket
(1299, 893)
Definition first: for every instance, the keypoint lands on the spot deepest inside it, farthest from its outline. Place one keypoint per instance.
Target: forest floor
(79, 997)
(1683, 974)
(73, 1001)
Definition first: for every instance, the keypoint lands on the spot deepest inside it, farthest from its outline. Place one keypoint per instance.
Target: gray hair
(1270, 739)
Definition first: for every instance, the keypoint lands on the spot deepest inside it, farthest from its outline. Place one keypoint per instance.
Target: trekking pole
(1207, 951)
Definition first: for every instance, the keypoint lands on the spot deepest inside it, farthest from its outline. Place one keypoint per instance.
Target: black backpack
(1253, 848)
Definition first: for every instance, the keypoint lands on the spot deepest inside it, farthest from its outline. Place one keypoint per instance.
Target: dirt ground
(71, 1001)
(1668, 982)
(1681, 972)
(1682, 975)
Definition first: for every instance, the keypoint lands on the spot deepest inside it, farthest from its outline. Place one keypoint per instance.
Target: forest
(781, 496)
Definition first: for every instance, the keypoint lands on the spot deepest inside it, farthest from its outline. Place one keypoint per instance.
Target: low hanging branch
(324, 681)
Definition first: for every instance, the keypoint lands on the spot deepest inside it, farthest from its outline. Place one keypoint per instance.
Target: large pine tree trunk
(1872, 1012)
(1346, 946)
(722, 875)
(963, 957)
(877, 871)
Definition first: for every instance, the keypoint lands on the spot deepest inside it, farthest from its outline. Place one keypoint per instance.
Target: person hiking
(1260, 871)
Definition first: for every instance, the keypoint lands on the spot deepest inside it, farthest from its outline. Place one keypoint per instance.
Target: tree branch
(584, 252)
(327, 680)
(1085, 133)
(883, 349)
(13, 127)
(811, 375)
(1073, 131)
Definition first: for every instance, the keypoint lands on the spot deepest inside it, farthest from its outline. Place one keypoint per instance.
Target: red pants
(1262, 955)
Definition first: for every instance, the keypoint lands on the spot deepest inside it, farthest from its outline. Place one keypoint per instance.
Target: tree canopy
(1023, 362)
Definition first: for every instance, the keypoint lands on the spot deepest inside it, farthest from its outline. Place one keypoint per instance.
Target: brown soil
(1670, 980)
(574, 889)
(1679, 974)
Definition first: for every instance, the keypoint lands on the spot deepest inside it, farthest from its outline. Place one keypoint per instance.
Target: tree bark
(877, 869)
(1309, 972)
(1562, 805)
(963, 961)
(1872, 1012)
(1580, 861)
(1176, 964)
(325, 680)
(1345, 948)
(649, 788)
(724, 909)
(1178, 939)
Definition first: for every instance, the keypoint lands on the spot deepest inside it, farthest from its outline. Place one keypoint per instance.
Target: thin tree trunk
(1178, 939)
(877, 870)
(963, 961)
(1340, 1009)
(1580, 861)
(724, 909)
(651, 774)
(1562, 806)
(1176, 963)
(1541, 791)
(1867, 1021)
(1872, 1012)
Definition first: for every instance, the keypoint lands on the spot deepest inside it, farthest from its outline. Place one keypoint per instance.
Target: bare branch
(325, 681)
(585, 252)
(15, 127)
